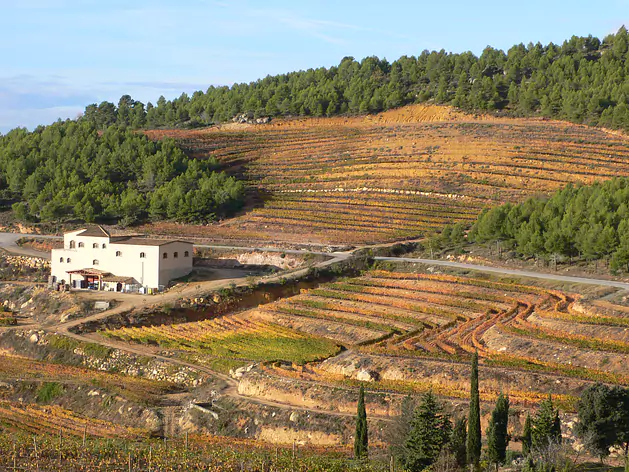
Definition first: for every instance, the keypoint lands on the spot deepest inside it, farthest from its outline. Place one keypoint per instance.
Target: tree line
(583, 80)
(589, 221)
(72, 170)
(426, 437)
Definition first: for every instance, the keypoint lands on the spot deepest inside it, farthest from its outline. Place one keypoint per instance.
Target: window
(118, 253)
(95, 262)
(72, 244)
(61, 259)
(142, 255)
(165, 255)
(68, 260)
(104, 246)
(175, 254)
(186, 254)
(81, 245)
(95, 245)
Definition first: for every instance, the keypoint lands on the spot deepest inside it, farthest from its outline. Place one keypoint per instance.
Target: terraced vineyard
(414, 331)
(397, 322)
(392, 176)
(51, 419)
(233, 337)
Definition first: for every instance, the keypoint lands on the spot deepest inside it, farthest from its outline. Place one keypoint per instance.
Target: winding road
(517, 273)
(134, 301)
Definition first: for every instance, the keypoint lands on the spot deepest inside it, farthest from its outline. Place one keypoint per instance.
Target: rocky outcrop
(247, 118)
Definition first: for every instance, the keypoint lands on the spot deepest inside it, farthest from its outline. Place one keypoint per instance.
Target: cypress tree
(473, 430)
(361, 439)
(556, 429)
(527, 437)
(497, 436)
(458, 442)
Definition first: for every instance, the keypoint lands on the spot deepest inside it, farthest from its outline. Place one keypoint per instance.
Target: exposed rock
(366, 376)
(247, 118)
(294, 417)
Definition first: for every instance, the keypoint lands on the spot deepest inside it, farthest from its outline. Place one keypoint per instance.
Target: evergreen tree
(400, 429)
(458, 442)
(546, 426)
(361, 439)
(474, 431)
(497, 436)
(527, 436)
(604, 418)
(431, 430)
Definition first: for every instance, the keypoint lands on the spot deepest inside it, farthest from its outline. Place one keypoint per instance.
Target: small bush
(49, 391)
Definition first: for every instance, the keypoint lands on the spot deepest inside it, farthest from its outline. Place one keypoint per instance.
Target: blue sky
(56, 56)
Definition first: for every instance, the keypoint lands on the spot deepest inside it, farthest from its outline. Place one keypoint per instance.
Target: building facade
(92, 258)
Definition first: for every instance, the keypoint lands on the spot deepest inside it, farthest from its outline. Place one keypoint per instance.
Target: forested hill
(585, 80)
(591, 221)
(70, 170)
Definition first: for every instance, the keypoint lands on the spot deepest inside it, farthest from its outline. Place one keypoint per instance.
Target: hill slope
(394, 175)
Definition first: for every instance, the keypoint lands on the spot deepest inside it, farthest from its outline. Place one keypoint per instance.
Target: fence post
(36, 454)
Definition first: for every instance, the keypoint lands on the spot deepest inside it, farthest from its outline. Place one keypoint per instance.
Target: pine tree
(361, 440)
(497, 436)
(430, 431)
(527, 437)
(546, 426)
(473, 430)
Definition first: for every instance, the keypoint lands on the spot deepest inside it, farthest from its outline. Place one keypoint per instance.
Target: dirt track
(132, 301)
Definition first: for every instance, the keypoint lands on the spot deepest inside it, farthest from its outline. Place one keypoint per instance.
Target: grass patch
(65, 343)
(48, 391)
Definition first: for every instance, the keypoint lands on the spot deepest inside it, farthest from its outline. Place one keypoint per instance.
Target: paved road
(518, 273)
(8, 241)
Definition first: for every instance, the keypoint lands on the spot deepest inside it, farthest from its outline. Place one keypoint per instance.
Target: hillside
(583, 80)
(394, 175)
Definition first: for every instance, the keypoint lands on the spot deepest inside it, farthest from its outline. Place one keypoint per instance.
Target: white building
(92, 258)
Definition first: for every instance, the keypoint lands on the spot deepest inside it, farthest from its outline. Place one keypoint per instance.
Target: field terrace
(392, 176)
(411, 332)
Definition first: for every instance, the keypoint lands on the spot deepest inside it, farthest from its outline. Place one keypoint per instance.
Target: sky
(57, 56)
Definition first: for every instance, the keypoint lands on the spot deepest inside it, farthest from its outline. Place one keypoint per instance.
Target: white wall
(174, 267)
(150, 271)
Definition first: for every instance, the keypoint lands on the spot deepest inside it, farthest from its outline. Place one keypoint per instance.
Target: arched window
(72, 244)
(95, 245)
(81, 245)
(61, 259)
(186, 254)
(104, 246)
(118, 253)
(165, 255)
(68, 260)
(142, 255)
(175, 254)
(95, 262)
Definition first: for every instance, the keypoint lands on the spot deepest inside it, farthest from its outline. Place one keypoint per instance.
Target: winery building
(94, 259)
